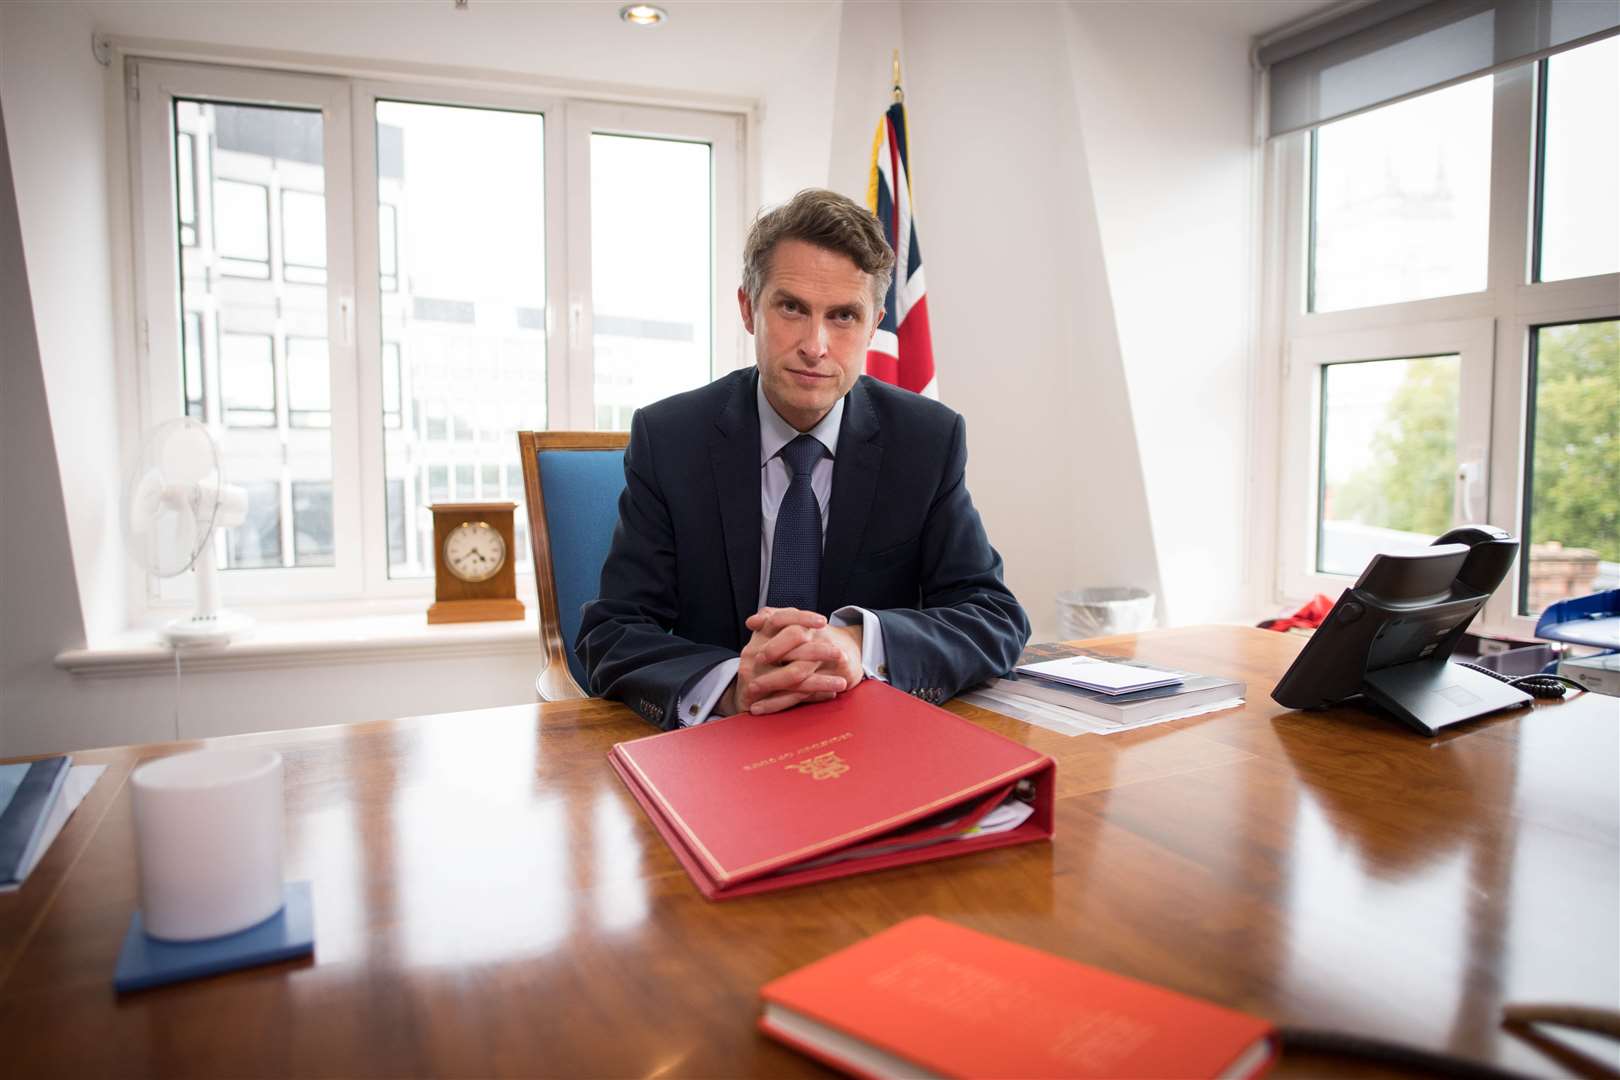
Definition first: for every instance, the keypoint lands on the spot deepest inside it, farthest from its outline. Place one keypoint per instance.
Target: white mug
(208, 829)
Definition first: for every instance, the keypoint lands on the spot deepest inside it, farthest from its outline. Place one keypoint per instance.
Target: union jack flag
(902, 350)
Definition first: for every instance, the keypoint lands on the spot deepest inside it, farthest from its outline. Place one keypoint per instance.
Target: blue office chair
(572, 480)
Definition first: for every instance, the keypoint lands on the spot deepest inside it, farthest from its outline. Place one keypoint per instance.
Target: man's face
(811, 327)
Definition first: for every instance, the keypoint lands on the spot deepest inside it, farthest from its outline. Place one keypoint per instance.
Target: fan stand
(208, 625)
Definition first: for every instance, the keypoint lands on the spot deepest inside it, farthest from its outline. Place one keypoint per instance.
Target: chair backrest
(572, 480)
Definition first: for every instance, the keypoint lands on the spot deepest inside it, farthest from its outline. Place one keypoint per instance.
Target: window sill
(292, 643)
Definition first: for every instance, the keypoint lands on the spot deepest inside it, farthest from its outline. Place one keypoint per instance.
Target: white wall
(1165, 99)
(1082, 181)
(55, 109)
(39, 598)
(65, 136)
(1019, 298)
(1171, 170)
(868, 35)
(1022, 320)
(782, 55)
(43, 709)
(59, 446)
(1086, 184)
(66, 117)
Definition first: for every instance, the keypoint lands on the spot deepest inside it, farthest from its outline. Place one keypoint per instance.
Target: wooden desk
(489, 900)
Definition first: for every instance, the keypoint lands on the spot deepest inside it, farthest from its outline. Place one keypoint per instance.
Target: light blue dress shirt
(698, 703)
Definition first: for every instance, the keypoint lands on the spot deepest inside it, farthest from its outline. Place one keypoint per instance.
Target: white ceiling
(1252, 18)
(724, 48)
(709, 46)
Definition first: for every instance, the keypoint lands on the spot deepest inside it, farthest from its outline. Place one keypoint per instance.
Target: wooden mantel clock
(472, 563)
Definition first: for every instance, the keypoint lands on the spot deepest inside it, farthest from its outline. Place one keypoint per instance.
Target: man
(760, 505)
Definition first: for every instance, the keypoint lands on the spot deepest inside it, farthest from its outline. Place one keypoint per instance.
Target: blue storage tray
(1586, 620)
(290, 933)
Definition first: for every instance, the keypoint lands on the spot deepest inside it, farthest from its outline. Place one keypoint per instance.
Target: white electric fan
(175, 496)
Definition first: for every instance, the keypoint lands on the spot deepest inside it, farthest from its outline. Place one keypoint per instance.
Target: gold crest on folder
(828, 766)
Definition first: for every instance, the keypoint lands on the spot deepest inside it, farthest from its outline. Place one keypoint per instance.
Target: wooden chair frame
(556, 682)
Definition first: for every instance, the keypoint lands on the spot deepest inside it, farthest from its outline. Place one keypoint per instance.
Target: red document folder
(930, 998)
(871, 779)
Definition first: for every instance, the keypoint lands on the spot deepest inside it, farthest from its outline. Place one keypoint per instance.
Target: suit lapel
(855, 478)
(734, 454)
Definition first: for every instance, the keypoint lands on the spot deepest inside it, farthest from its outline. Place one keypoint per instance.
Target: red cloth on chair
(1310, 616)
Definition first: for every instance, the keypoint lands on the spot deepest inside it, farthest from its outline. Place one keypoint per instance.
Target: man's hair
(827, 220)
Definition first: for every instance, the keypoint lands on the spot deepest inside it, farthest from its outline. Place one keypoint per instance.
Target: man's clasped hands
(793, 657)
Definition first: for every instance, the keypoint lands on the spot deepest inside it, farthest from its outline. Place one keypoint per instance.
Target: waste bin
(1120, 609)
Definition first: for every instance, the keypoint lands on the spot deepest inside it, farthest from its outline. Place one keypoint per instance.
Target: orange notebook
(929, 998)
(871, 779)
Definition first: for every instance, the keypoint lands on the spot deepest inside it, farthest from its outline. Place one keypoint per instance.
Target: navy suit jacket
(903, 540)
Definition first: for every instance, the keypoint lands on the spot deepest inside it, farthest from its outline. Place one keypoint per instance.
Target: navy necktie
(796, 546)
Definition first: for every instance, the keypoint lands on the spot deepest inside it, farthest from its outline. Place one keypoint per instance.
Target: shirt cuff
(874, 660)
(697, 703)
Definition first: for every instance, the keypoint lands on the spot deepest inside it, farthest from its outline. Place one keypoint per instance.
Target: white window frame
(1489, 330)
(359, 576)
(159, 317)
(1470, 339)
(724, 136)
(368, 309)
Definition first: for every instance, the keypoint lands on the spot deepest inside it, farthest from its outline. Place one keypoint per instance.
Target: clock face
(474, 551)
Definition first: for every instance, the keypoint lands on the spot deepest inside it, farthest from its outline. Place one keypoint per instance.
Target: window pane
(256, 543)
(395, 499)
(192, 347)
(1401, 201)
(390, 385)
(438, 484)
(309, 383)
(303, 236)
(1573, 496)
(650, 271)
(312, 523)
(247, 380)
(1389, 458)
(185, 179)
(257, 346)
(437, 425)
(461, 254)
(1580, 210)
(490, 482)
(242, 227)
(388, 246)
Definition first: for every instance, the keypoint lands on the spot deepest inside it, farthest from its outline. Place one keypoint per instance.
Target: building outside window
(357, 366)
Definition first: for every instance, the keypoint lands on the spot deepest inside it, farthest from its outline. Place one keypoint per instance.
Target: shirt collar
(775, 432)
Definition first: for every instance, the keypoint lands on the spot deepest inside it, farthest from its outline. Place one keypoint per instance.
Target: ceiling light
(643, 14)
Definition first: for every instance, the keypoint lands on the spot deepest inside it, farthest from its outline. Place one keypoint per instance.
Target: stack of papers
(1066, 721)
(1090, 673)
(1082, 694)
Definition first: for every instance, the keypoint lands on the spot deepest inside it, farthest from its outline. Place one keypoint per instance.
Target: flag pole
(901, 350)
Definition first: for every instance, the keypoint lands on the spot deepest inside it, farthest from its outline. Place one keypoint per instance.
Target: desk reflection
(620, 896)
(1414, 859)
(490, 900)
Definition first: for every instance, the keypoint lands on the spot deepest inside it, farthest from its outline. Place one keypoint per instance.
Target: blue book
(290, 933)
(27, 794)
